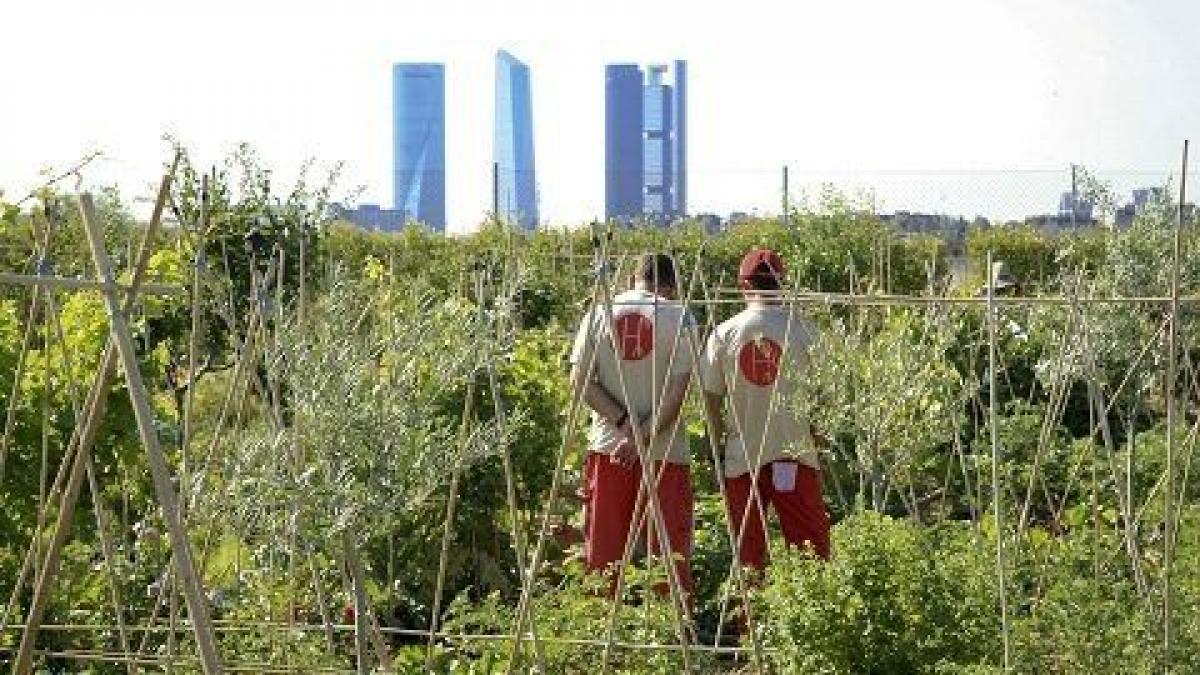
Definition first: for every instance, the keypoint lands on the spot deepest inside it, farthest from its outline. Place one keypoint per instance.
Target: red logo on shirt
(759, 361)
(635, 337)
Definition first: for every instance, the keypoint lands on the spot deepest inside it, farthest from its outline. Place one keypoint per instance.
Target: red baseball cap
(756, 259)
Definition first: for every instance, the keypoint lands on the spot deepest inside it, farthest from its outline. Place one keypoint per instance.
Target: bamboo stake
(106, 549)
(718, 467)
(656, 528)
(1181, 500)
(510, 489)
(87, 431)
(726, 296)
(83, 284)
(172, 586)
(755, 500)
(102, 523)
(1128, 377)
(1170, 525)
(1100, 411)
(1058, 392)
(159, 470)
(464, 435)
(322, 605)
(447, 531)
(523, 605)
(18, 375)
(238, 389)
(358, 588)
(1096, 395)
(44, 469)
(243, 627)
(103, 527)
(198, 266)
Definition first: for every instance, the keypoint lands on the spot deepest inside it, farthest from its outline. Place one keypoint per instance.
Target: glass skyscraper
(512, 144)
(622, 142)
(419, 142)
(645, 142)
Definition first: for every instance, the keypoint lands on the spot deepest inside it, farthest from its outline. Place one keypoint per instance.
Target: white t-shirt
(652, 343)
(745, 359)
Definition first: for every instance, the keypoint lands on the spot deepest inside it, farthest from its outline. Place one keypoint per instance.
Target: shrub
(896, 598)
(572, 616)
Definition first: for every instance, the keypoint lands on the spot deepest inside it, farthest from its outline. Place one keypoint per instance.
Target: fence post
(993, 421)
(1169, 524)
(787, 202)
(496, 191)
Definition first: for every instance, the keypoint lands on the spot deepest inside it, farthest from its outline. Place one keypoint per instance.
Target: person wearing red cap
(753, 361)
(632, 364)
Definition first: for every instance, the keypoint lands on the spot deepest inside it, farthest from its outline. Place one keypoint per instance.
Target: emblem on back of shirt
(759, 361)
(635, 336)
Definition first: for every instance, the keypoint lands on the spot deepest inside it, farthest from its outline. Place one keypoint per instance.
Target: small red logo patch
(635, 336)
(759, 361)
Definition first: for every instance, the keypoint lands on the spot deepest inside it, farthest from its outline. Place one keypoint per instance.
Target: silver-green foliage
(372, 381)
(883, 388)
(1136, 262)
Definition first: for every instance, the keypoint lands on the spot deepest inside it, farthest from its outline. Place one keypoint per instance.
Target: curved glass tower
(419, 142)
(512, 144)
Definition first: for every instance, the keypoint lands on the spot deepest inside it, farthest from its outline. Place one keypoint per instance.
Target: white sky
(834, 89)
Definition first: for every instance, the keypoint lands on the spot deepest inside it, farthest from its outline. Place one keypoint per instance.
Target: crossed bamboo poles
(76, 463)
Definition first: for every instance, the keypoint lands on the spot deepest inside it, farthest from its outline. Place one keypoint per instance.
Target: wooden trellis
(40, 568)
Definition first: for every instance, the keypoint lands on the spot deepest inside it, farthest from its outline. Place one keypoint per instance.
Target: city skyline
(955, 107)
(515, 182)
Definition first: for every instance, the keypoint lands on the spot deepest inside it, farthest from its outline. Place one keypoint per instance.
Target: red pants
(613, 499)
(802, 515)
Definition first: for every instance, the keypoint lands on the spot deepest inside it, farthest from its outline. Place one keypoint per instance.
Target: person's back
(755, 363)
(762, 353)
(637, 348)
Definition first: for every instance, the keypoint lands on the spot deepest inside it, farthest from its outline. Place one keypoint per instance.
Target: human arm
(595, 396)
(672, 404)
(714, 410)
(599, 400)
(583, 373)
(641, 432)
(712, 377)
(608, 408)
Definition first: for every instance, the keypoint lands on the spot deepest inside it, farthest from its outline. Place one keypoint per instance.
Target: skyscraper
(622, 142)
(419, 142)
(512, 144)
(645, 142)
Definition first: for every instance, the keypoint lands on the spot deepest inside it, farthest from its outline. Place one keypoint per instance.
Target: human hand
(644, 432)
(636, 436)
(625, 452)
